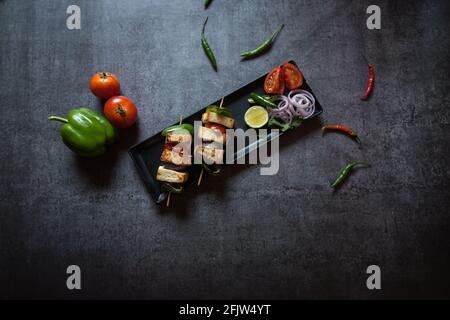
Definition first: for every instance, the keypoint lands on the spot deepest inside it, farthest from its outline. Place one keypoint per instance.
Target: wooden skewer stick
(170, 193)
(168, 199)
(201, 173)
(200, 178)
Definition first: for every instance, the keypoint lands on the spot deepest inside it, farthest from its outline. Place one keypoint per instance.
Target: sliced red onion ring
(283, 111)
(303, 102)
(298, 103)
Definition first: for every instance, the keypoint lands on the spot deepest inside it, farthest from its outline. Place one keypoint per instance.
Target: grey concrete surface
(242, 235)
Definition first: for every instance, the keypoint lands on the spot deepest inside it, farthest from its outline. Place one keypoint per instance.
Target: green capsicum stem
(53, 118)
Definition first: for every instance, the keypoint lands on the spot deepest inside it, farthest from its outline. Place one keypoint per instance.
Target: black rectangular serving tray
(146, 154)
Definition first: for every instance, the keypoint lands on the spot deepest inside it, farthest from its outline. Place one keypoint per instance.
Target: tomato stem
(104, 75)
(120, 110)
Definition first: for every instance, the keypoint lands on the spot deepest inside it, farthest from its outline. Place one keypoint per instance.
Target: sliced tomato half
(292, 76)
(274, 83)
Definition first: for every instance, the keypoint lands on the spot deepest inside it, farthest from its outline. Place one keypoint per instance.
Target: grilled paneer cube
(211, 154)
(174, 137)
(207, 134)
(171, 176)
(175, 156)
(217, 118)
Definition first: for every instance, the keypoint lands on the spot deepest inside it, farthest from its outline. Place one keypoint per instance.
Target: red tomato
(169, 146)
(292, 76)
(120, 111)
(274, 83)
(215, 127)
(105, 85)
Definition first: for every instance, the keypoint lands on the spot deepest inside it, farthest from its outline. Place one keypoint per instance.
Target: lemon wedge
(256, 117)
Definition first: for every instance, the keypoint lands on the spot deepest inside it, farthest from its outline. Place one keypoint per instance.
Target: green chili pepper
(212, 169)
(179, 127)
(222, 111)
(270, 98)
(171, 188)
(207, 3)
(264, 46)
(345, 172)
(207, 48)
(258, 99)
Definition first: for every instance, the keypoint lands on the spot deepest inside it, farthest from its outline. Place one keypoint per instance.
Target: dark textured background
(242, 235)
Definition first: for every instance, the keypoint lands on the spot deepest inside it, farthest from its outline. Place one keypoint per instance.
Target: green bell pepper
(86, 132)
(179, 128)
(171, 188)
(213, 169)
(222, 111)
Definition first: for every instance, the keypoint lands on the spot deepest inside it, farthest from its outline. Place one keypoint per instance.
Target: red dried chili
(343, 129)
(370, 81)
